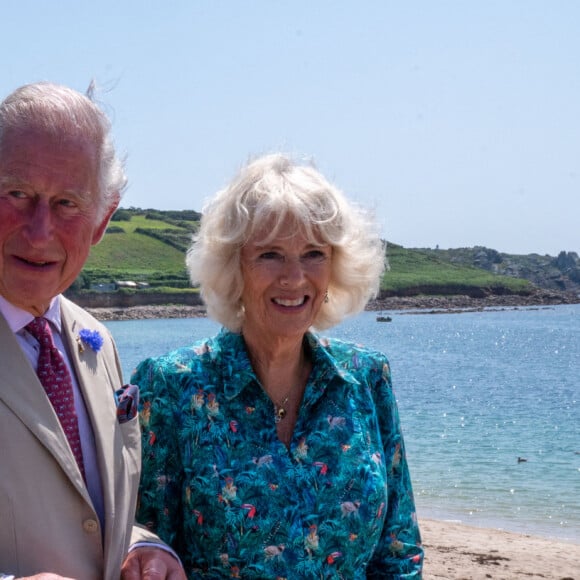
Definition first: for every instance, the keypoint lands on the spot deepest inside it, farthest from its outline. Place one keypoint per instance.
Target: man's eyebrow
(7, 177)
(85, 194)
(7, 180)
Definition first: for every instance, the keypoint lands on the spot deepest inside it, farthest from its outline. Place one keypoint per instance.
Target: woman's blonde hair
(268, 191)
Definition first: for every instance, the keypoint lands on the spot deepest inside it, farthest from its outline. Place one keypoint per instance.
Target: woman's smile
(288, 277)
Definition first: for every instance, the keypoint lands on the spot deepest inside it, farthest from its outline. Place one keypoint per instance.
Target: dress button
(90, 526)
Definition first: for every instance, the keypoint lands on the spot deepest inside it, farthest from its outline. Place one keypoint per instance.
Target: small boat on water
(382, 318)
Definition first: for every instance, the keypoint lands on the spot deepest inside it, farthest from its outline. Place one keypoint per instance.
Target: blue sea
(489, 403)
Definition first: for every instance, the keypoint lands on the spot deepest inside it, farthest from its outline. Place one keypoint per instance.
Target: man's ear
(102, 228)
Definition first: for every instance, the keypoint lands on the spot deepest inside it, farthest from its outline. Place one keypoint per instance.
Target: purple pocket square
(127, 399)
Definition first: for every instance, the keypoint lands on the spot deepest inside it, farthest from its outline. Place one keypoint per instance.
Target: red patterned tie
(56, 380)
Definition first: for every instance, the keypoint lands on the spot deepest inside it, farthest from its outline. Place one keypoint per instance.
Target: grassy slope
(413, 268)
(134, 256)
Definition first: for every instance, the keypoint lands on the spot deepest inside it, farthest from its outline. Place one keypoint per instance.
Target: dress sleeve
(159, 503)
(399, 553)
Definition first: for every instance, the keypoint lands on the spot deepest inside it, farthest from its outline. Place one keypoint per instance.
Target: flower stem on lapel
(90, 338)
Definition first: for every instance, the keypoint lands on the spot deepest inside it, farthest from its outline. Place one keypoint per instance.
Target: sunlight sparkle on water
(517, 395)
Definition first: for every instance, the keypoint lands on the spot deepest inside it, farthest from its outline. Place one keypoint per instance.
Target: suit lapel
(22, 392)
(95, 381)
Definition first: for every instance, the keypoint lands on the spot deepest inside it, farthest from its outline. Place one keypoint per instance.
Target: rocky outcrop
(454, 290)
(149, 311)
(463, 302)
(421, 302)
(121, 299)
(560, 274)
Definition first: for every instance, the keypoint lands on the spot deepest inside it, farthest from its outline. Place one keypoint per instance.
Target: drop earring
(326, 297)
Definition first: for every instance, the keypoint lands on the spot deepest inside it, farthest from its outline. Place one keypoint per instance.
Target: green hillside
(144, 246)
(412, 269)
(150, 245)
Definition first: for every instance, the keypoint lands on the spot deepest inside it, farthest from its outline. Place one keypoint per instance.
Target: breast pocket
(131, 434)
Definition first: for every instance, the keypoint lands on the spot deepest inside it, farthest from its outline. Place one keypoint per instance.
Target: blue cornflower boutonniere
(90, 338)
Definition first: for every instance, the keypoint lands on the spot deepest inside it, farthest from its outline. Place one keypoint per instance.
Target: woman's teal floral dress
(234, 502)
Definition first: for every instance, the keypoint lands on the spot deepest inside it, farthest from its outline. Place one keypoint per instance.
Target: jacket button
(90, 526)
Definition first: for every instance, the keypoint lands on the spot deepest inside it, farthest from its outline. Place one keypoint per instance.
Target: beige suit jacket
(47, 520)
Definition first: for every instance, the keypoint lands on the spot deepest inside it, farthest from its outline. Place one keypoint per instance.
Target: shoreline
(460, 551)
(400, 304)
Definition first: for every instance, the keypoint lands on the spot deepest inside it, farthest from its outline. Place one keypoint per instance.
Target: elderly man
(70, 455)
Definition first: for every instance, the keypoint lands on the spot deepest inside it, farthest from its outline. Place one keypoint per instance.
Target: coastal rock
(421, 303)
(150, 311)
(559, 274)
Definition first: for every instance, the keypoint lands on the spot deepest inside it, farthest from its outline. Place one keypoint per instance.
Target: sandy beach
(457, 551)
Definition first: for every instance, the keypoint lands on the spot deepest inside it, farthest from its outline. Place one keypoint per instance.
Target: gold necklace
(280, 409)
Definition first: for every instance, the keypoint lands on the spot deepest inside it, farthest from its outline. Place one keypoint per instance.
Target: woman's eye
(270, 256)
(314, 256)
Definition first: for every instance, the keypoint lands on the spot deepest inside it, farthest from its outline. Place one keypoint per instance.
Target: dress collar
(238, 372)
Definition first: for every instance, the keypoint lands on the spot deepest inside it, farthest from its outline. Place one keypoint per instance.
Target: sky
(456, 122)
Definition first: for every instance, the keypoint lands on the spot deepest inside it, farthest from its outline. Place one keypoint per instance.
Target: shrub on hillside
(121, 215)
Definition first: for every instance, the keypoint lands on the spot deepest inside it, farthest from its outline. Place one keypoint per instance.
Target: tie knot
(40, 329)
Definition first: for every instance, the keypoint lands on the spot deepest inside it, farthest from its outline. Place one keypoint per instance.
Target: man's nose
(40, 227)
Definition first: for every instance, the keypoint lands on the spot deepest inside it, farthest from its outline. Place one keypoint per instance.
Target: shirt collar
(236, 365)
(238, 371)
(17, 318)
(325, 364)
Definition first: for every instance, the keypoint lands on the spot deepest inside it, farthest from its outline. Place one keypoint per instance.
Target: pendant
(280, 414)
